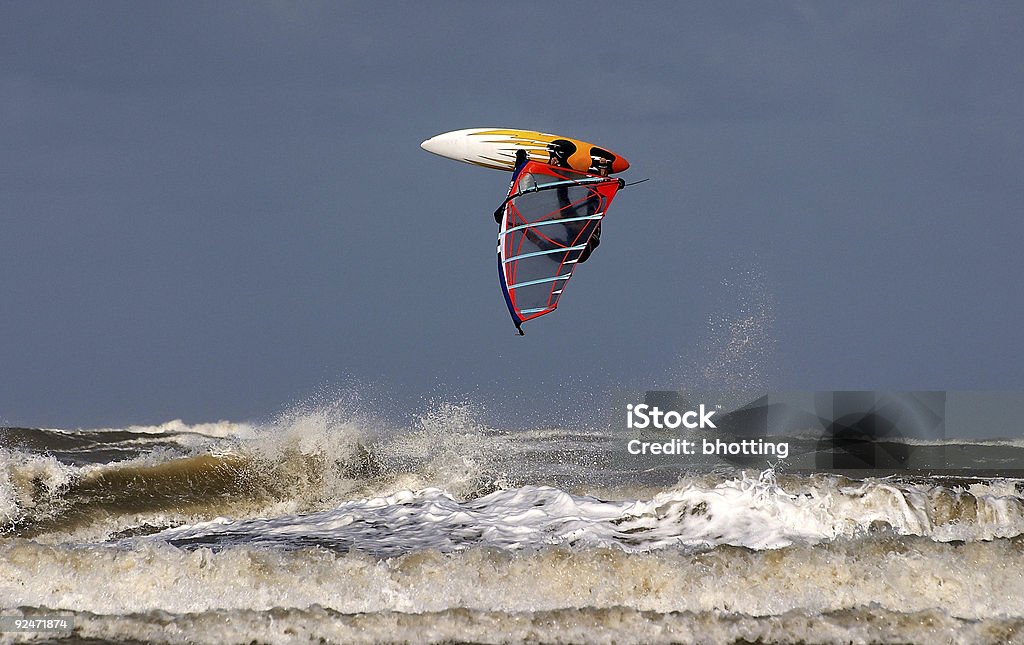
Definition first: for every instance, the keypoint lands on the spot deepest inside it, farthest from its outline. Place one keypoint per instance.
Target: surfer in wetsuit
(559, 152)
(602, 167)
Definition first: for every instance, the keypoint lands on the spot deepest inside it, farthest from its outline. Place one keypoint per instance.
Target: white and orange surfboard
(496, 148)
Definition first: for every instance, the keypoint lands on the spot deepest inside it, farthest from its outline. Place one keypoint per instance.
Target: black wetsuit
(592, 243)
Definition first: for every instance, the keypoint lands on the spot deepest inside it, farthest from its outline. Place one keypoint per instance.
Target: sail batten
(547, 252)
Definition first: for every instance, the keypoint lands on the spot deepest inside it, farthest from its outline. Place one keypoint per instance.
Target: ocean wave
(308, 459)
(320, 462)
(906, 574)
(755, 512)
(218, 429)
(328, 523)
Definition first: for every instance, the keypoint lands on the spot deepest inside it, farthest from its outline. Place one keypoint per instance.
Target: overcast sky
(211, 210)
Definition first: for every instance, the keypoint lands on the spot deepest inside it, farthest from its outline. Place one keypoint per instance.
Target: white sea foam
(216, 429)
(26, 480)
(752, 512)
(975, 581)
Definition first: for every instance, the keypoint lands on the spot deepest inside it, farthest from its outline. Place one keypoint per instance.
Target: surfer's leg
(592, 243)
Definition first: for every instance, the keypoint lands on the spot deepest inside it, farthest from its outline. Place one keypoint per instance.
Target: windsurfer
(559, 152)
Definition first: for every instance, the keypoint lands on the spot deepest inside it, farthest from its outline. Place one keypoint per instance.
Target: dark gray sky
(211, 210)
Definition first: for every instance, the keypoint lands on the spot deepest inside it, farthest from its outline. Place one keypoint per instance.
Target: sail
(549, 217)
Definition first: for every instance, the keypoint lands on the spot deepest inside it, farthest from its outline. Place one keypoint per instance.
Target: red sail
(549, 218)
